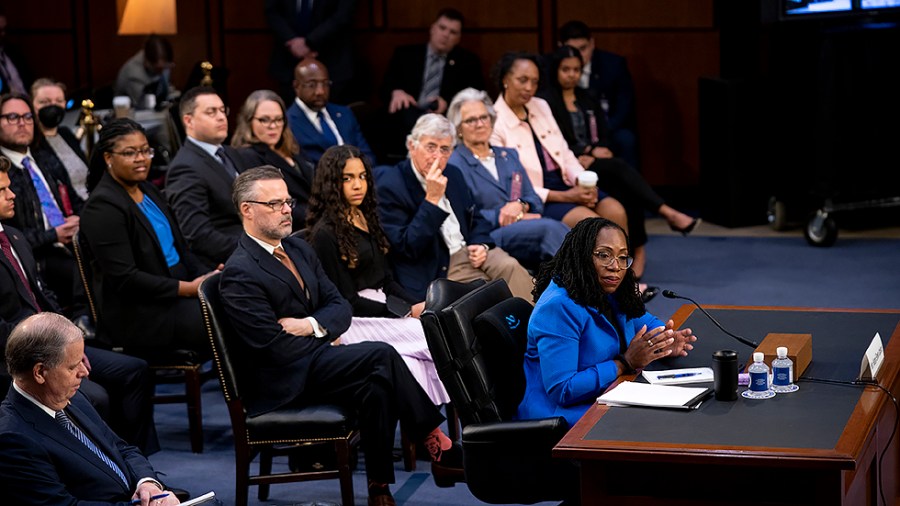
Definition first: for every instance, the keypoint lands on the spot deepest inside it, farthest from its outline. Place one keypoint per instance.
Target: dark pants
(626, 185)
(372, 379)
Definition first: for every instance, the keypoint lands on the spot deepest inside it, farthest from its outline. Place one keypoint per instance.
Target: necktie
(229, 166)
(48, 204)
(63, 419)
(282, 257)
(327, 132)
(7, 250)
(431, 84)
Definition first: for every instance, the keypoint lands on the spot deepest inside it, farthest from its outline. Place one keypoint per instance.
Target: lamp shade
(143, 17)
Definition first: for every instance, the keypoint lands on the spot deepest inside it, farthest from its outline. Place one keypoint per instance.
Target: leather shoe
(382, 500)
(688, 229)
(449, 471)
(649, 293)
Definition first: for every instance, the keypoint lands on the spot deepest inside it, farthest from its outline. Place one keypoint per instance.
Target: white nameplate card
(872, 360)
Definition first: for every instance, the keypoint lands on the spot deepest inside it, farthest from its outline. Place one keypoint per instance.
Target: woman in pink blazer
(526, 123)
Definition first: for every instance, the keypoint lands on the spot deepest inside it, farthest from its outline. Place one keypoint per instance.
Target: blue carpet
(855, 273)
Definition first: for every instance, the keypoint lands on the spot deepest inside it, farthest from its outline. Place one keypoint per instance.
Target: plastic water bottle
(783, 372)
(759, 379)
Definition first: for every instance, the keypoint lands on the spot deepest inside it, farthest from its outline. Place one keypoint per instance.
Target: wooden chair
(170, 366)
(276, 432)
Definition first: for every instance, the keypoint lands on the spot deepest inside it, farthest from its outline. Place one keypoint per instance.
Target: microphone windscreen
(669, 294)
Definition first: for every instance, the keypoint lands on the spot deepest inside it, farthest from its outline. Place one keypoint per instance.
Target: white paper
(872, 360)
(200, 500)
(682, 376)
(630, 393)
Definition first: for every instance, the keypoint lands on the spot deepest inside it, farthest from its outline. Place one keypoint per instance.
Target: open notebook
(630, 393)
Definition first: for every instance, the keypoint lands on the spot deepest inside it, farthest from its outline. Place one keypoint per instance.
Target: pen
(152, 498)
(679, 375)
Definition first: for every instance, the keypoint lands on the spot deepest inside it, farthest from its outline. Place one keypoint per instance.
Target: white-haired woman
(499, 183)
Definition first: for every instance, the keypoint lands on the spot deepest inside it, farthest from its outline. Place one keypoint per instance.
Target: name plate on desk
(872, 360)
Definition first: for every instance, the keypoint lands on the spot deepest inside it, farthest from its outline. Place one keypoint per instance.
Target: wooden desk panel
(641, 472)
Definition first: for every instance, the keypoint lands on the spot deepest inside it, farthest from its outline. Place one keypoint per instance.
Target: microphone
(669, 294)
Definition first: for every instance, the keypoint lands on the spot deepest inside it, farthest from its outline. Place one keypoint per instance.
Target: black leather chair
(276, 432)
(478, 344)
(169, 366)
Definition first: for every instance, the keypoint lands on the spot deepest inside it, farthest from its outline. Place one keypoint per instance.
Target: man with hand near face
(432, 222)
(54, 448)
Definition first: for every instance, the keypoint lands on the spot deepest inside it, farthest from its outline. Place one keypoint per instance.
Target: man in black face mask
(49, 101)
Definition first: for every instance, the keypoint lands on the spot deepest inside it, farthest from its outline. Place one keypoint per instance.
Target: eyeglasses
(432, 148)
(212, 112)
(271, 122)
(16, 118)
(484, 118)
(606, 259)
(132, 154)
(275, 205)
(311, 85)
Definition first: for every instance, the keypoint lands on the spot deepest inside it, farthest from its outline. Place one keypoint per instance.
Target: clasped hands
(654, 344)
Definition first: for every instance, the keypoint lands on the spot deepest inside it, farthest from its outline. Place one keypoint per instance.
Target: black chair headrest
(442, 292)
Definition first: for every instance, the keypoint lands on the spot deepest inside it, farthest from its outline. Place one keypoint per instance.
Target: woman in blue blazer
(589, 325)
(499, 183)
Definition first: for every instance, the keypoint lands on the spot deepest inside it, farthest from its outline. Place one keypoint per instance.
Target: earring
(108, 165)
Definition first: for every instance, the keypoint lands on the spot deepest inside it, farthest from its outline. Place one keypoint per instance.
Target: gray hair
(243, 187)
(40, 338)
(469, 95)
(432, 125)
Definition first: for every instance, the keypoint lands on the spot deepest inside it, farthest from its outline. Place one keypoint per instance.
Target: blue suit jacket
(42, 463)
(313, 143)
(257, 290)
(412, 224)
(569, 355)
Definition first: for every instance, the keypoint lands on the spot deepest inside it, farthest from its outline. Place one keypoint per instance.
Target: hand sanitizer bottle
(759, 379)
(783, 372)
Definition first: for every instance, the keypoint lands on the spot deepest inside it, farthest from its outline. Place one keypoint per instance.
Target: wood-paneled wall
(669, 45)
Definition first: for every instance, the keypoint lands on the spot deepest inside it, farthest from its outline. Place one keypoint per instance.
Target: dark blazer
(257, 290)
(610, 79)
(42, 463)
(199, 192)
(132, 283)
(298, 178)
(330, 34)
(412, 224)
(29, 217)
(590, 108)
(313, 143)
(15, 303)
(407, 68)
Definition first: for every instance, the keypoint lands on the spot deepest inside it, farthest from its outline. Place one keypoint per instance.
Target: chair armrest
(539, 432)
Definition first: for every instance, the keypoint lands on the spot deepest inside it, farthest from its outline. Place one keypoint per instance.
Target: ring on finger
(649, 342)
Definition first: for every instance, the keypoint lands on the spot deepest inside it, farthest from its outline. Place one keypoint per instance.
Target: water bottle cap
(759, 356)
(781, 351)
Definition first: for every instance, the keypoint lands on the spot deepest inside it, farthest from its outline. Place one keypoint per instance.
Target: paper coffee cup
(587, 179)
(122, 106)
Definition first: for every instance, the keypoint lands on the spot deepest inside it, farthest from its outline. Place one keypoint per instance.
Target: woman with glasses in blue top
(589, 325)
(145, 279)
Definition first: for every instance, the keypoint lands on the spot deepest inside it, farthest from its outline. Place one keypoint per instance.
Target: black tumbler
(725, 372)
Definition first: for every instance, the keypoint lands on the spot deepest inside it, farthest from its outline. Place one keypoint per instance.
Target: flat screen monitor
(815, 7)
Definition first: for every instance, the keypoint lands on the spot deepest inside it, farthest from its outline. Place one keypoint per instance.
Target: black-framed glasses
(270, 122)
(484, 118)
(132, 154)
(275, 205)
(607, 259)
(13, 118)
(432, 148)
(311, 85)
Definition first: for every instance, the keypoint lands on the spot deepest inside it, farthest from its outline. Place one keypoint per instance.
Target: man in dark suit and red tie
(198, 182)
(124, 385)
(54, 447)
(288, 316)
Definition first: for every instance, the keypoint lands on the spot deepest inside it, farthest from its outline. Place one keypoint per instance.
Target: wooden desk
(787, 450)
